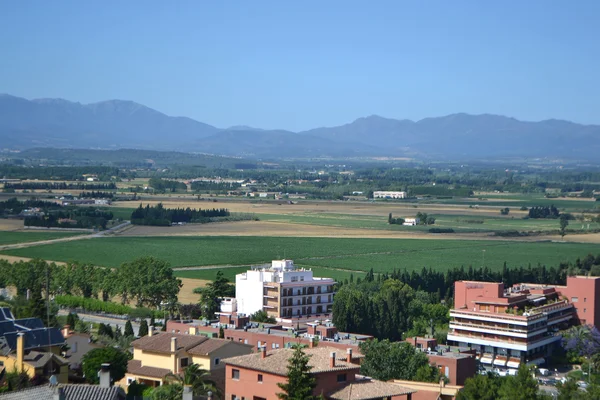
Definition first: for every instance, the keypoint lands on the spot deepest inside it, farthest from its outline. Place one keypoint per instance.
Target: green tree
(128, 329)
(262, 316)
(149, 281)
(385, 360)
(480, 387)
(117, 359)
(221, 333)
(196, 377)
(167, 392)
(300, 382)
(72, 320)
(569, 390)
(143, 328)
(212, 293)
(564, 222)
(522, 386)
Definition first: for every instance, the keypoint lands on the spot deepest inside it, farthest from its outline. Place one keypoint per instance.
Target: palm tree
(197, 378)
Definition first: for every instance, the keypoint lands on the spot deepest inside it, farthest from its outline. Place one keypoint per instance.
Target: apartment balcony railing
(492, 327)
(501, 316)
(502, 340)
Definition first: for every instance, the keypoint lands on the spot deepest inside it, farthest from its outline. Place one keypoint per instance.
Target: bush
(93, 305)
(441, 230)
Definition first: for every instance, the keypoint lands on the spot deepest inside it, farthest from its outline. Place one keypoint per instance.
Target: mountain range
(117, 124)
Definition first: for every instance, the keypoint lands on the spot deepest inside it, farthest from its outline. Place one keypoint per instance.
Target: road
(113, 322)
(67, 239)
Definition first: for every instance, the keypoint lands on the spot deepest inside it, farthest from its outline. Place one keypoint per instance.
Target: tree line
(60, 186)
(96, 195)
(13, 206)
(59, 173)
(166, 185)
(75, 217)
(386, 308)
(144, 282)
(160, 216)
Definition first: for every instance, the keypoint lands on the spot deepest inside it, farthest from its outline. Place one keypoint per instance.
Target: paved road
(67, 239)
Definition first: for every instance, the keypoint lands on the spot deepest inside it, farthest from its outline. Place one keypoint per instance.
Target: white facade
(251, 285)
(411, 221)
(389, 195)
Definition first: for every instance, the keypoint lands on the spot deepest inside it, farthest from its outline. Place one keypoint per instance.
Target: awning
(537, 361)
(486, 360)
(502, 363)
(513, 364)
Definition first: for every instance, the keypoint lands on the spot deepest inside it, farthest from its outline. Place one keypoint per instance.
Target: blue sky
(304, 64)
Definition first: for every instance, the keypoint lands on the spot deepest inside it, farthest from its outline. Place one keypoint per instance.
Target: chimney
(188, 394)
(173, 344)
(58, 393)
(66, 331)
(263, 352)
(349, 356)
(332, 360)
(104, 375)
(150, 330)
(20, 351)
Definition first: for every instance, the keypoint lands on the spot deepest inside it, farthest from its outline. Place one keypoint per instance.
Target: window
(1, 363)
(235, 374)
(301, 279)
(574, 299)
(341, 378)
(294, 279)
(184, 362)
(585, 299)
(129, 380)
(260, 378)
(585, 309)
(217, 361)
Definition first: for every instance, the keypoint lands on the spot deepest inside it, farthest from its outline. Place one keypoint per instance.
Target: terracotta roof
(134, 367)
(426, 395)
(276, 361)
(161, 342)
(208, 346)
(368, 389)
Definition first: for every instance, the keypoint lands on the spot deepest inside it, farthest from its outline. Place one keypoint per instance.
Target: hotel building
(520, 324)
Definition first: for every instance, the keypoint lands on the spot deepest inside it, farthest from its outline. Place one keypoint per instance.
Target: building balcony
(507, 343)
(502, 318)
(497, 330)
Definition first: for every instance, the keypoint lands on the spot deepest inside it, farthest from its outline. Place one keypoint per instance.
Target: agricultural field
(32, 236)
(209, 274)
(338, 253)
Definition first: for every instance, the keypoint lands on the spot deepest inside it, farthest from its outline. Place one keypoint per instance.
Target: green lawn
(23, 237)
(350, 254)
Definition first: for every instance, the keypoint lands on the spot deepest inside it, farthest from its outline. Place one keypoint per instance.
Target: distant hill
(108, 124)
(118, 124)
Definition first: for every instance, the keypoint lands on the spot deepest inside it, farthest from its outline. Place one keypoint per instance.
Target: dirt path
(113, 230)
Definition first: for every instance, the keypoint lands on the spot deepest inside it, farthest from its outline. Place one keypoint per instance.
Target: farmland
(33, 236)
(346, 254)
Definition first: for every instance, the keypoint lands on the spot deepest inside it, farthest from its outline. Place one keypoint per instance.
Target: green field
(229, 273)
(348, 254)
(24, 237)
(460, 223)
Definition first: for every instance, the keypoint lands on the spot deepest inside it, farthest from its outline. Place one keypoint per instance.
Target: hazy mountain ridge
(126, 124)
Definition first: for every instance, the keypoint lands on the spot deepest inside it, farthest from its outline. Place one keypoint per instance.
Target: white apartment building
(283, 291)
(381, 194)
